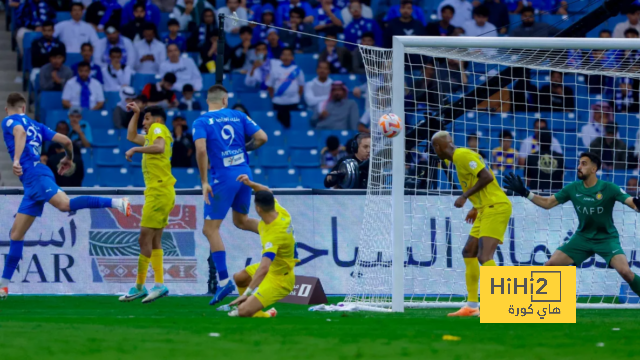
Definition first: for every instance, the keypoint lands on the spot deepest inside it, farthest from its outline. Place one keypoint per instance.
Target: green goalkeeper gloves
(515, 184)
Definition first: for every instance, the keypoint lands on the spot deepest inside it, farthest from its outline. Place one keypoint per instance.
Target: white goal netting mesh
(531, 112)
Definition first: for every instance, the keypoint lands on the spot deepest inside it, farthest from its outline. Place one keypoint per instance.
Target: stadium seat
(72, 58)
(300, 120)
(558, 21)
(305, 158)
(49, 100)
(140, 80)
(29, 37)
(111, 100)
(186, 178)
(277, 138)
(272, 157)
(313, 178)
(283, 178)
(138, 177)
(53, 117)
(208, 80)
(350, 80)
(98, 119)
(303, 139)
(254, 159)
(343, 135)
(110, 177)
(164, 19)
(87, 157)
(267, 121)
(232, 39)
(237, 83)
(105, 138)
(307, 63)
(570, 163)
(108, 157)
(62, 16)
(259, 176)
(90, 177)
(257, 101)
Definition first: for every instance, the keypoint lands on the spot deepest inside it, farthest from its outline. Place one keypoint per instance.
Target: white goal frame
(400, 43)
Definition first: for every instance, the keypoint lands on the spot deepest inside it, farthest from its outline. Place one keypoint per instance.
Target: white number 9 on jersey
(231, 135)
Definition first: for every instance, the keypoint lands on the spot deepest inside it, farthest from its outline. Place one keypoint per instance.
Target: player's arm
(258, 139)
(484, 178)
(20, 139)
(633, 203)
(261, 272)
(253, 185)
(515, 184)
(66, 143)
(156, 148)
(132, 129)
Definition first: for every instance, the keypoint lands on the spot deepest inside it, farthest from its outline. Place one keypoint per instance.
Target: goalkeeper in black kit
(593, 200)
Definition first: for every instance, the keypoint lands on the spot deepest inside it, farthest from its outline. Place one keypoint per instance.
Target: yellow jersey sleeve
(468, 161)
(159, 131)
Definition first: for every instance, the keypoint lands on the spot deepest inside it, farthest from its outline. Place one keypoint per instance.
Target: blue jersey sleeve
(8, 124)
(250, 126)
(47, 134)
(199, 129)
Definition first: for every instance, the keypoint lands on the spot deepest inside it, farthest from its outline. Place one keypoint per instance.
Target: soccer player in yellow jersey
(159, 197)
(490, 214)
(263, 284)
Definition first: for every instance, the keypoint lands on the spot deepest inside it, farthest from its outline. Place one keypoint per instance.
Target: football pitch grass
(99, 327)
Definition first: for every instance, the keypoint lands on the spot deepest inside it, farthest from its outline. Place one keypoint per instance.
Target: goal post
(409, 253)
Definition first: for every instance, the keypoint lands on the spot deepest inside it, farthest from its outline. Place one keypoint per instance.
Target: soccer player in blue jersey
(24, 138)
(222, 153)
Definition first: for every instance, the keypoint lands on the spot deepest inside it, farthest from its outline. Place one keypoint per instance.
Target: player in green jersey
(593, 200)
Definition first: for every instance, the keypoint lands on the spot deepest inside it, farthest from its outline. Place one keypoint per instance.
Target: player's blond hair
(440, 134)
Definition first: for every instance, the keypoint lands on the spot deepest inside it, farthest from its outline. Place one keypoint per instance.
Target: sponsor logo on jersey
(268, 246)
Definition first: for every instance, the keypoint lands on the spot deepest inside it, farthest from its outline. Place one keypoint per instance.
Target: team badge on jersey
(473, 165)
(599, 196)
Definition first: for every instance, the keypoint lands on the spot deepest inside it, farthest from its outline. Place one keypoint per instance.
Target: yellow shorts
(158, 203)
(492, 221)
(273, 287)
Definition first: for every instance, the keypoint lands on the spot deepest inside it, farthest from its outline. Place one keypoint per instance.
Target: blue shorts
(228, 193)
(37, 193)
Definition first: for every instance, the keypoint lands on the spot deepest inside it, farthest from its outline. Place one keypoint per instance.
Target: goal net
(528, 107)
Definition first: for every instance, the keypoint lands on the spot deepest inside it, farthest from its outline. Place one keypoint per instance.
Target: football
(390, 124)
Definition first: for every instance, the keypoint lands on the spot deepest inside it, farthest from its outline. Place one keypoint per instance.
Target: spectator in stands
(605, 34)
(41, 47)
(55, 74)
(480, 25)
(121, 116)
(339, 57)
(394, 12)
(152, 12)
(631, 33)
(114, 39)
(133, 29)
(530, 28)
(317, 90)
(353, 32)
(504, 157)
(544, 169)
(174, 37)
(601, 115)
(347, 16)
(472, 144)
(633, 22)
(103, 14)
(632, 187)
(461, 14)
(183, 145)
(257, 75)
(268, 19)
(183, 67)
(626, 96)
(243, 55)
(498, 15)
(284, 9)
(161, 93)
(274, 45)
(556, 96)
(188, 103)
(240, 12)
(56, 153)
(203, 31)
(286, 84)
(86, 51)
(75, 32)
(30, 16)
(83, 90)
(356, 55)
(442, 27)
(405, 24)
(332, 153)
(191, 11)
(525, 95)
(612, 151)
(115, 74)
(209, 54)
(365, 120)
(241, 108)
(530, 144)
(328, 17)
(359, 152)
(150, 51)
(425, 89)
(80, 133)
(337, 112)
(300, 43)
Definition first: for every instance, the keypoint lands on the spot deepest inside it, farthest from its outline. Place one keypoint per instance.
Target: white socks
(4, 282)
(224, 282)
(116, 203)
(472, 304)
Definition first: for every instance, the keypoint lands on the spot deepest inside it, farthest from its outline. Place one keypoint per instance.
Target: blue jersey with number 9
(225, 131)
(37, 134)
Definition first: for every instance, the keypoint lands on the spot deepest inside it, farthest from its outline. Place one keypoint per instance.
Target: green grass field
(99, 327)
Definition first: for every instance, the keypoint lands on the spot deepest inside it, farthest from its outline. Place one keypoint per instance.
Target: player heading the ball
(24, 138)
(219, 136)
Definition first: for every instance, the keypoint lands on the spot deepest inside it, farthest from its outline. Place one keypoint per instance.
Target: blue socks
(220, 260)
(12, 259)
(89, 202)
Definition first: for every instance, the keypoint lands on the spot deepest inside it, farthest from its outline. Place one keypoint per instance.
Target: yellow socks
(143, 267)
(261, 314)
(156, 264)
(241, 290)
(472, 277)
(490, 263)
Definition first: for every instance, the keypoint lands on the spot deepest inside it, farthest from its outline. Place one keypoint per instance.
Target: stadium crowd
(86, 60)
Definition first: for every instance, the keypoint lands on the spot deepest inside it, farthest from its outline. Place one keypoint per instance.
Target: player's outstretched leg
(619, 262)
(253, 308)
(21, 224)
(159, 290)
(62, 202)
(472, 278)
(219, 256)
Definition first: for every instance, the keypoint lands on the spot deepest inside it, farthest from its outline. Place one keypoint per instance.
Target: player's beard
(582, 176)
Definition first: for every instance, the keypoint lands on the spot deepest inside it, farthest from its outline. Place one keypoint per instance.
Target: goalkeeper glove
(636, 202)
(515, 184)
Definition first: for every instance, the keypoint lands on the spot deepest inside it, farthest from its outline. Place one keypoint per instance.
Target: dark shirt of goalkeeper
(359, 149)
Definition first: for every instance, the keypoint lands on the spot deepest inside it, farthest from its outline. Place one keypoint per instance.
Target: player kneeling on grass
(272, 279)
(159, 197)
(593, 200)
